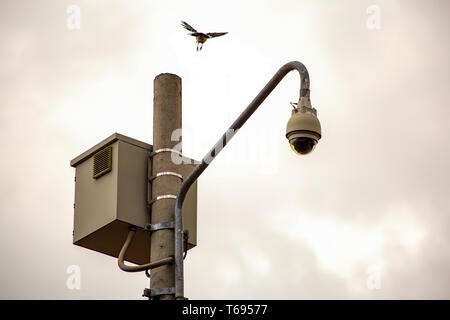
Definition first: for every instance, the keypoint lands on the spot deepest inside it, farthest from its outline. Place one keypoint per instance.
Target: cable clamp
(165, 173)
(165, 196)
(159, 226)
(152, 154)
(151, 293)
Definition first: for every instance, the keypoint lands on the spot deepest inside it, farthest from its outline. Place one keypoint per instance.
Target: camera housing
(303, 130)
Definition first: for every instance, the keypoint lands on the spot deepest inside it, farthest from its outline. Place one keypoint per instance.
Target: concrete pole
(166, 119)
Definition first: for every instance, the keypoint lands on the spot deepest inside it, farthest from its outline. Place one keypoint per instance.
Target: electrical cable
(142, 267)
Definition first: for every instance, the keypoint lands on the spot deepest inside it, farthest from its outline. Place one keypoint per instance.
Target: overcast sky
(365, 216)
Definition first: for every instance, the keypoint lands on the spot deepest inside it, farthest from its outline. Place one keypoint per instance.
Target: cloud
(373, 193)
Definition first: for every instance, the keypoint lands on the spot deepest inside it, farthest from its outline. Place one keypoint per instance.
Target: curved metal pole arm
(226, 137)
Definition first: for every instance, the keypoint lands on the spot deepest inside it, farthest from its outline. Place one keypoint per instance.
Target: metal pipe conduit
(226, 137)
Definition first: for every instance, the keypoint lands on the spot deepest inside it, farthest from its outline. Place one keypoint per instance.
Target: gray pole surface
(166, 119)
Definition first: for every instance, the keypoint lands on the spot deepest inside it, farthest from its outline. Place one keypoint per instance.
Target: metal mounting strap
(152, 154)
(165, 173)
(159, 226)
(150, 293)
(165, 196)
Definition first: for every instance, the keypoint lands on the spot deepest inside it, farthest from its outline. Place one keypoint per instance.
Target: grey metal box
(106, 205)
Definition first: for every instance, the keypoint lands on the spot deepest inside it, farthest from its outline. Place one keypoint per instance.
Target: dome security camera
(303, 130)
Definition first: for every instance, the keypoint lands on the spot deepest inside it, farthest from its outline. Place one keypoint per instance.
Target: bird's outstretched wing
(216, 34)
(187, 26)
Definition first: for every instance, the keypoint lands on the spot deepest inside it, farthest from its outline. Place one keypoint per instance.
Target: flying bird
(199, 36)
